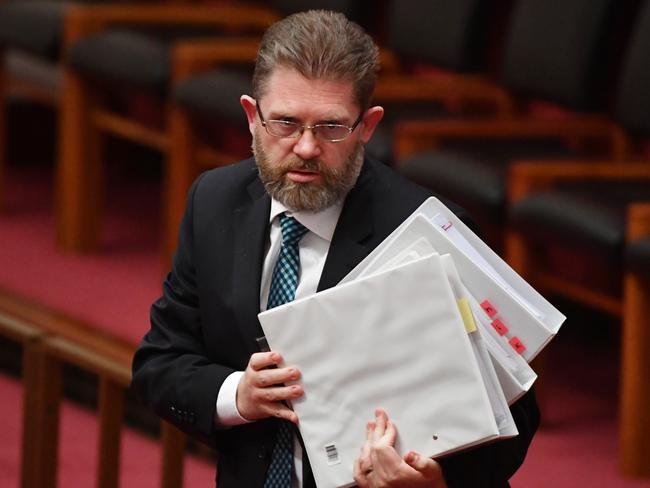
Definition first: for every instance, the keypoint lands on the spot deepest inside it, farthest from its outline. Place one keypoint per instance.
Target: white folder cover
(531, 319)
(380, 341)
(417, 238)
(502, 388)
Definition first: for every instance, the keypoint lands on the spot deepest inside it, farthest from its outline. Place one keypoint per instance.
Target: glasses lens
(281, 128)
(331, 132)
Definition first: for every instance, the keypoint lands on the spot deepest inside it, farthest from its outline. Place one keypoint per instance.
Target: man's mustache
(302, 165)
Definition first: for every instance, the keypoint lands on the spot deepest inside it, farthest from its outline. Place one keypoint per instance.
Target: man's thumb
(420, 463)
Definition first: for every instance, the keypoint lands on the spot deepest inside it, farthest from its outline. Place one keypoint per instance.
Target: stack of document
(432, 326)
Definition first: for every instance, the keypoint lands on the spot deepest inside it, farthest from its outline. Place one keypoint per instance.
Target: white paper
(414, 240)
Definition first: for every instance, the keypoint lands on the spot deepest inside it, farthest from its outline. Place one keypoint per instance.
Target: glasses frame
(303, 127)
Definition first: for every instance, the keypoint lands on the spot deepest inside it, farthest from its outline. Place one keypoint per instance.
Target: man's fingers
(270, 377)
(427, 467)
(277, 394)
(370, 430)
(423, 464)
(360, 478)
(260, 408)
(281, 411)
(365, 464)
(261, 390)
(380, 423)
(391, 433)
(262, 360)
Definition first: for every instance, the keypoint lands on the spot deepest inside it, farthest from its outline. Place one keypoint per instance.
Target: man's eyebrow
(328, 119)
(332, 119)
(279, 115)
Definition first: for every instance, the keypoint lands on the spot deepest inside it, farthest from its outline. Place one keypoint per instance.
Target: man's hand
(379, 465)
(260, 391)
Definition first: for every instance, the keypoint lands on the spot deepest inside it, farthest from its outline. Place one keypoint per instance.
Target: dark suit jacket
(204, 326)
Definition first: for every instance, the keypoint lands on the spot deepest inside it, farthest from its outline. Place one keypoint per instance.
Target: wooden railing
(49, 340)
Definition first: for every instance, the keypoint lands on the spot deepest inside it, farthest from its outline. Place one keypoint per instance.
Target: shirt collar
(320, 223)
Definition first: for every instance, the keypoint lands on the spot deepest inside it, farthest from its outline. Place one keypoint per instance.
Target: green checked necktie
(283, 289)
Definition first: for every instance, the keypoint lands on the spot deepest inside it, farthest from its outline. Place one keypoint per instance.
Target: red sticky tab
(500, 327)
(489, 309)
(517, 345)
(447, 226)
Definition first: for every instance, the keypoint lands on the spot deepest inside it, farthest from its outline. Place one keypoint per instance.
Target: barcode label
(332, 454)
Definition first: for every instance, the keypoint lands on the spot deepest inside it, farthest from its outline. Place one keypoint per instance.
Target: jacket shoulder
(232, 175)
(396, 192)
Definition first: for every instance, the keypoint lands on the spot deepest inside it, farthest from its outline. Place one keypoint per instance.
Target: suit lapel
(353, 229)
(251, 228)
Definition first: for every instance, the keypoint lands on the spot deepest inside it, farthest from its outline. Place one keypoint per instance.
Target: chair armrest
(192, 57)
(414, 136)
(526, 177)
(452, 89)
(638, 221)
(84, 20)
(394, 87)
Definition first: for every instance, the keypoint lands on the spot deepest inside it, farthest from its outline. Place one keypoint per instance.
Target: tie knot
(292, 230)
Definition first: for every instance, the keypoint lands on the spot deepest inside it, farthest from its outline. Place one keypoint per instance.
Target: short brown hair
(319, 44)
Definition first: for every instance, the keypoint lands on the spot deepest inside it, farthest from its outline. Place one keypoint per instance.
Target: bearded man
(292, 220)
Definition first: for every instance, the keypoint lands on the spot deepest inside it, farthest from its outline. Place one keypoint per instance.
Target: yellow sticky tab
(466, 314)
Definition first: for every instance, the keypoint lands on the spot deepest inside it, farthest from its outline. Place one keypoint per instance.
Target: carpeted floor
(113, 288)
(578, 444)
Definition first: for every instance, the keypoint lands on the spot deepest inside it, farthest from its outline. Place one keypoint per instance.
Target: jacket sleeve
(172, 372)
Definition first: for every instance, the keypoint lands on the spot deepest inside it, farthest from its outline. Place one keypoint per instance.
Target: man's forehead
(288, 90)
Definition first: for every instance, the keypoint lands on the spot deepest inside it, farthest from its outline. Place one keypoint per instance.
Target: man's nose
(307, 146)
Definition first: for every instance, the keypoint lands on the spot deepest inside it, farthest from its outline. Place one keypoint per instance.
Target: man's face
(307, 173)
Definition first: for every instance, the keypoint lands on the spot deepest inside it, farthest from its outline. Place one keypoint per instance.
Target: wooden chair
(31, 39)
(97, 40)
(579, 255)
(467, 160)
(580, 206)
(567, 229)
(30, 47)
(569, 224)
(635, 352)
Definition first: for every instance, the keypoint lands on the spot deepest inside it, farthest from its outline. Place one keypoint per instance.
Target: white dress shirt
(313, 249)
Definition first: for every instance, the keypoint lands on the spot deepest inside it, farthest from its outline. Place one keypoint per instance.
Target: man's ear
(370, 120)
(250, 107)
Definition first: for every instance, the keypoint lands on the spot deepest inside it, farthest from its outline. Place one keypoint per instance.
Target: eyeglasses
(323, 132)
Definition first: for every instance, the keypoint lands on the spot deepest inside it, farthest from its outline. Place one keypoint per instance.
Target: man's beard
(333, 187)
